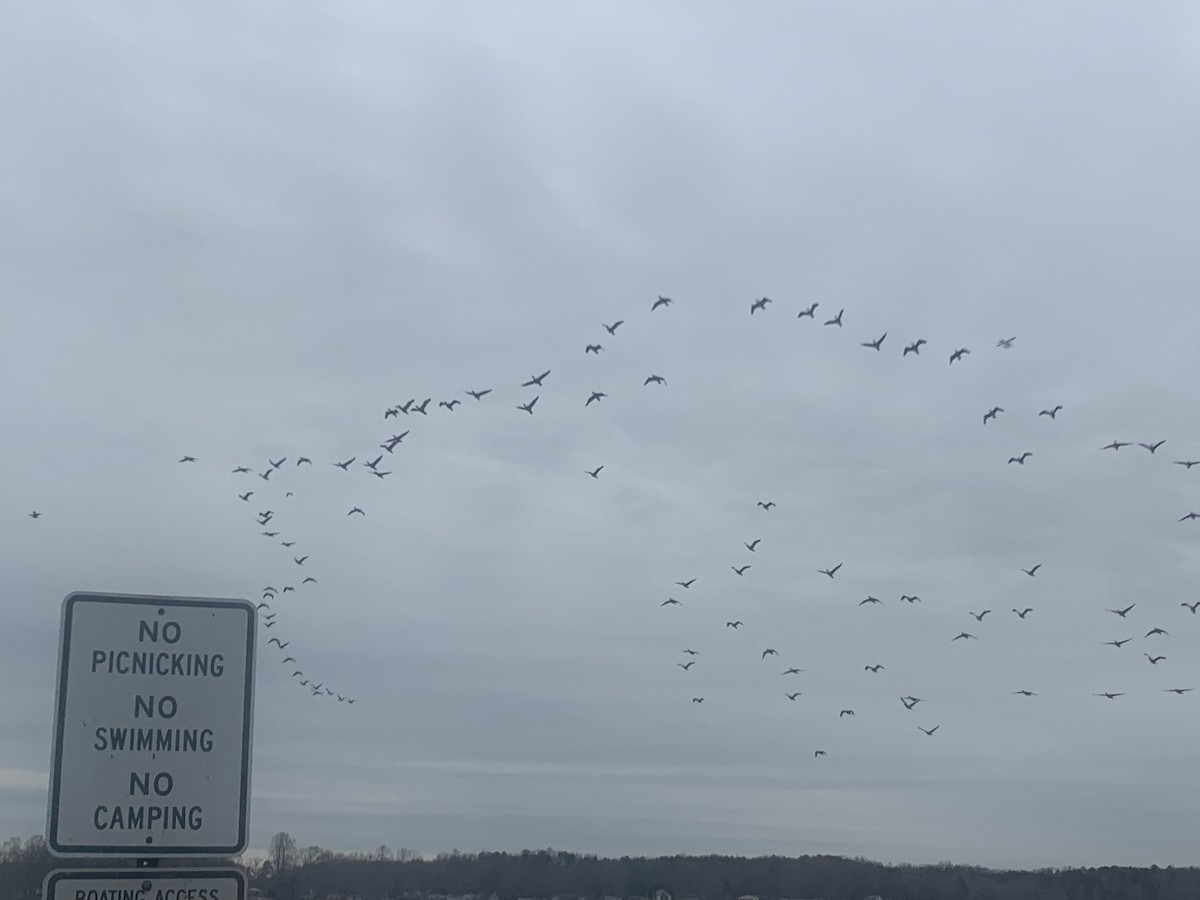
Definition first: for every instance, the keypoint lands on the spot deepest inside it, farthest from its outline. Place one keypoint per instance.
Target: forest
(290, 872)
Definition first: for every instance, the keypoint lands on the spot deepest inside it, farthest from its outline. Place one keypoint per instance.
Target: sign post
(159, 884)
(152, 730)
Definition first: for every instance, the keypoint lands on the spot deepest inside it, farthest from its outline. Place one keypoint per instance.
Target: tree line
(291, 872)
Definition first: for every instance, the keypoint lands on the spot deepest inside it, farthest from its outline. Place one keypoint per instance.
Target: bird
(830, 572)
(1187, 463)
(686, 584)
(740, 571)
(288, 588)
(274, 464)
(282, 644)
(1152, 447)
(690, 652)
(536, 379)
(876, 344)
(1118, 644)
(302, 460)
(962, 634)
(811, 312)
(246, 496)
(528, 407)
(734, 625)
(991, 413)
(422, 406)
(187, 459)
(792, 697)
(1154, 660)
(929, 731)
(299, 560)
(837, 320)
(596, 396)
(405, 407)
(754, 543)
(914, 347)
(309, 580)
(266, 475)
(1051, 412)
(1179, 691)
(670, 600)
(766, 505)
(240, 470)
(381, 474)
(661, 301)
(769, 652)
(287, 543)
(1021, 459)
(391, 411)
(760, 304)
(819, 753)
(1122, 612)
(1006, 343)
(687, 665)
(1110, 695)
(263, 605)
(875, 668)
(654, 379)
(910, 701)
(449, 404)
(870, 600)
(959, 354)
(612, 329)
(288, 659)
(1154, 631)
(1032, 572)
(345, 466)
(911, 598)
(697, 699)
(297, 673)
(1022, 613)
(1191, 606)
(791, 671)
(845, 712)
(1024, 693)
(1191, 515)
(979, 616)
(356, 509)
(271, 534)
(478, 395)
(592, 348)
(1115, 445)
(371, 464)
(595, 473)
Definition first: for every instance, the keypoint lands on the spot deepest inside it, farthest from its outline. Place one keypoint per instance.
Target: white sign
(152, 728)
(145, 884)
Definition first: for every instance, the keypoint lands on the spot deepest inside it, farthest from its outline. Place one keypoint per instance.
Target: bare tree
(313, 854)
(282, 851)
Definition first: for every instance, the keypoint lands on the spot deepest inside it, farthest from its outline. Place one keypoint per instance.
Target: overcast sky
(243, 232)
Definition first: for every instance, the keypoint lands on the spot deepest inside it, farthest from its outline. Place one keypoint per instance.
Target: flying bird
(769, 652)
(595, 395)
(528, 407)
(274, 464)
(697, 699)
(837, 320)
(687, 665)
(759, 304)
(1032, 572)
(959, 354)
(962, 634)
(449, 404)
(929, 731)
(819, 753)
(792, 697)
(186, 459)
(1118, 644)
(1022, 613)
(979, 616)
(239, 470)
(299, 560)
(1109, 695)
(1006, 343)
(910, 701)
(754, 543)
(811, 312)
(1122, 612)
(870, 600)
(536, 379)
(1051, 412)
(741, 571)
(791, 671)
(845, 712)
(1154, 660)
(1025, 693)
(246, 496)
(654, 379)
(1191, 515)
(288, 659)
(374, 462)
(1179, 691)
(1187, 463)
(309, 580)
(876, 344)
(875, 668)
(478, 395)
(734, 625)
(356, 509)
(991, 413)
(422, 406)
(302, 460)
(661, 301)
(686, 584)
(592, 348)
(669, 601)
(1154, 631)
(830, 572)
(767, 505)
(282, 644)
(1152, 447)
(914, 347)
(1115, 445)
(1191, 606)
(690, 652)
(1021, 459)
(612, 329)
(595, 473)
(345, 466)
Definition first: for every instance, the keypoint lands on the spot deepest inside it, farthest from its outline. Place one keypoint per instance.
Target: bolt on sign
(145, 884)
(152, 728)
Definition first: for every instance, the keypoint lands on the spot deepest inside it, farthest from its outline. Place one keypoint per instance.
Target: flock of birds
(299, 577)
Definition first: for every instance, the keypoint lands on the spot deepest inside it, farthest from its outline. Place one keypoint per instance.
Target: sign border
(53, 844)
(58, 875)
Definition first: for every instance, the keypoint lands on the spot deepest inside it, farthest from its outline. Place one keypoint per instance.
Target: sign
(152, 727)
(145, 884)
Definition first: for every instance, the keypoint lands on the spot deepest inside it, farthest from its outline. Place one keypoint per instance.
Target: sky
(242, 233)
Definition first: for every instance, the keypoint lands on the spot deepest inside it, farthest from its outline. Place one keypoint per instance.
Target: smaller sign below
(145, 884)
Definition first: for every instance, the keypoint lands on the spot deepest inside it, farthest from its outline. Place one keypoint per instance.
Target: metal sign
(145, 884)
(152, 728)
